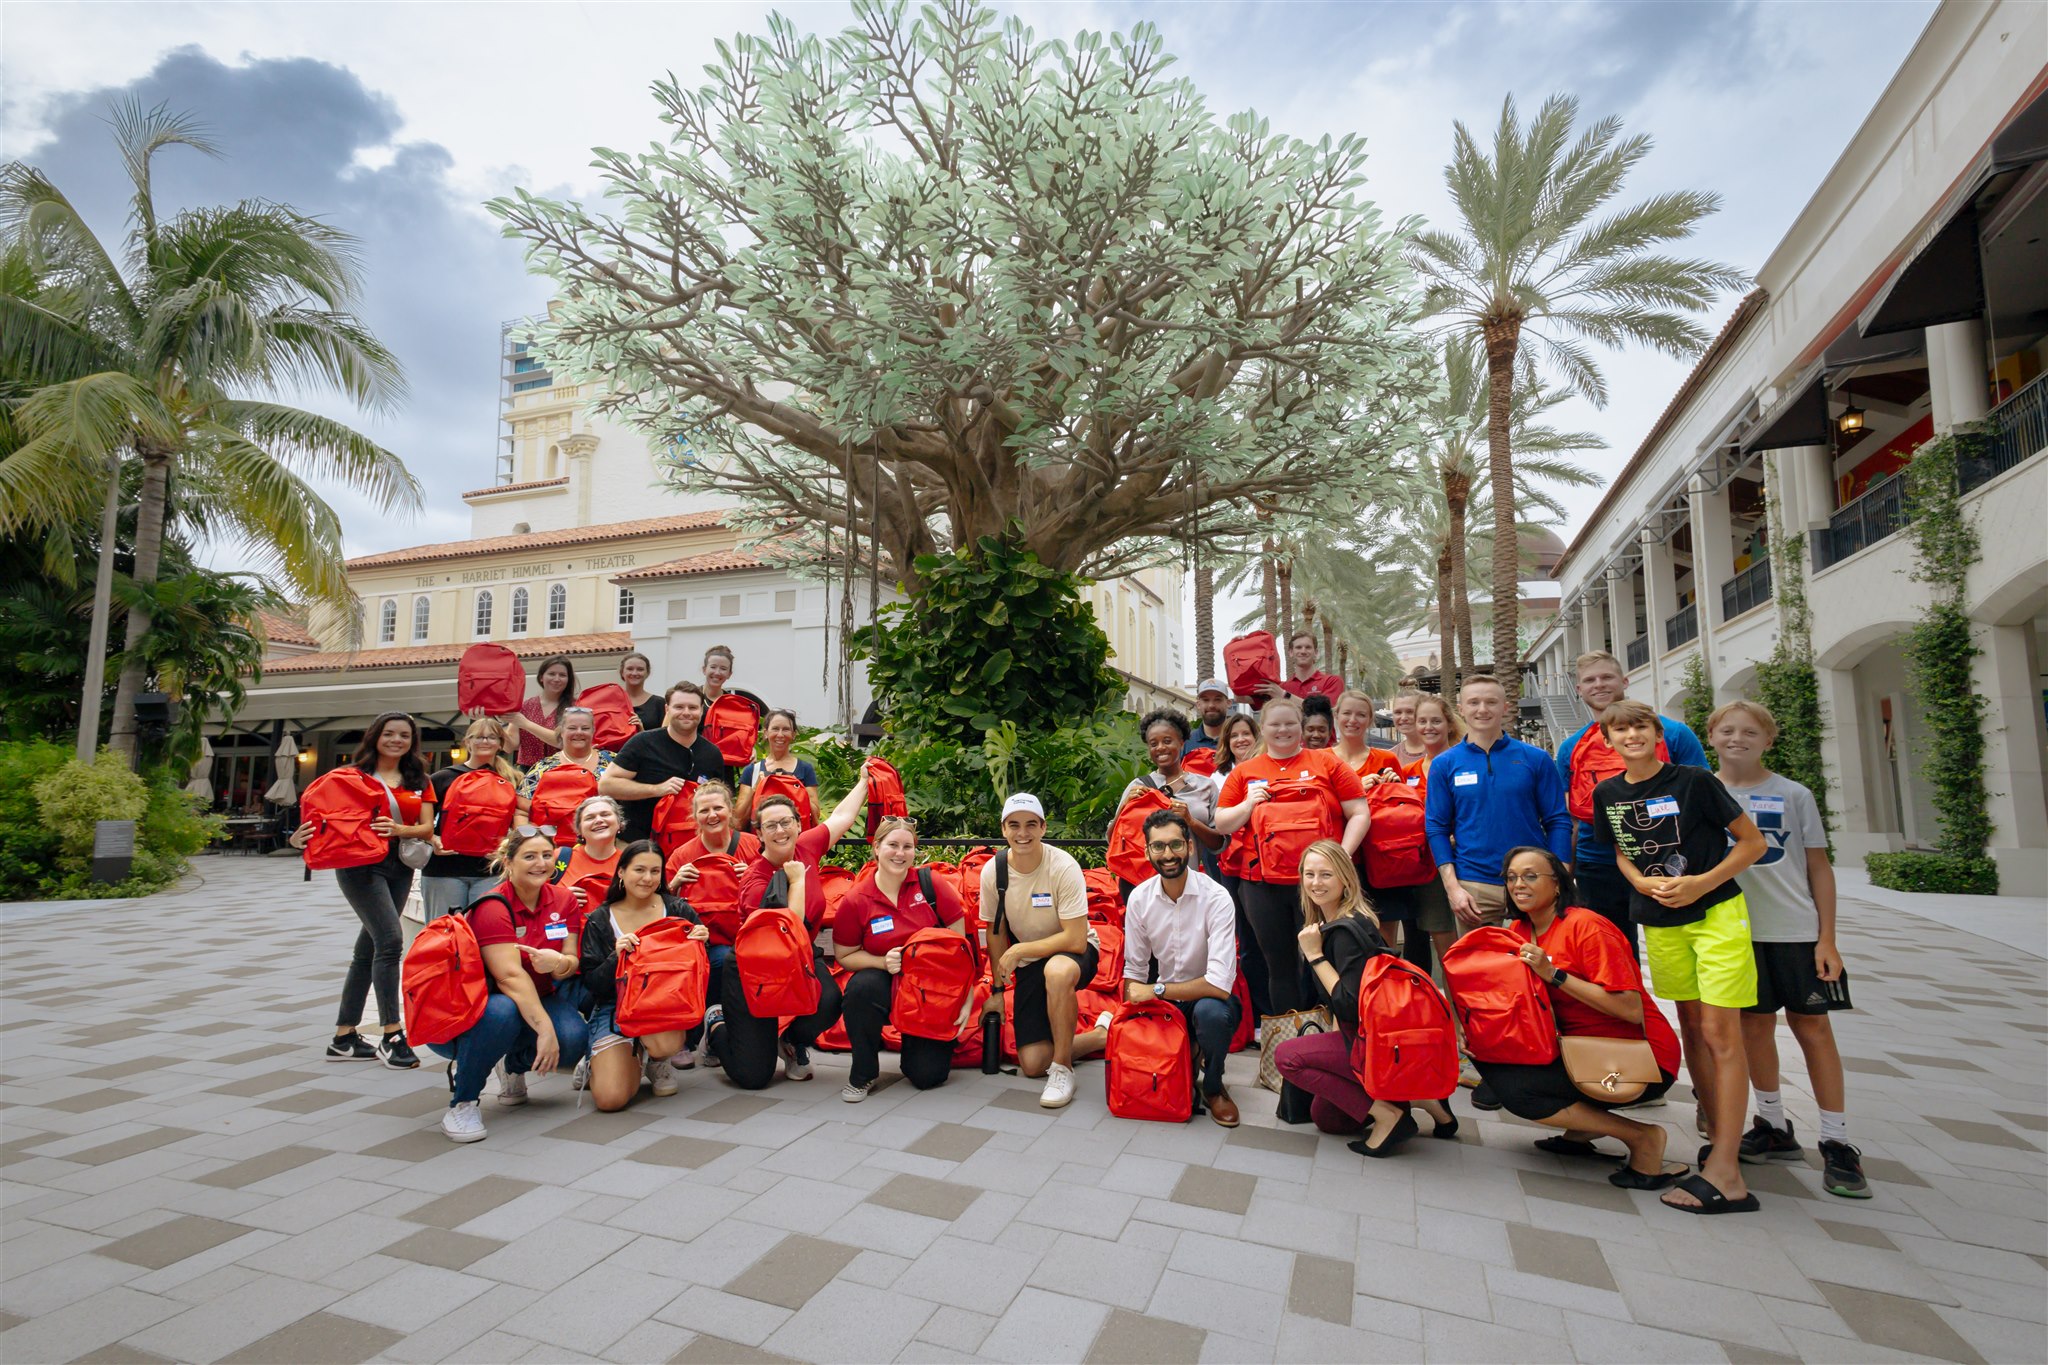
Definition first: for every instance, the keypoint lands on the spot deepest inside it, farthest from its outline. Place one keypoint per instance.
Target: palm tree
(164, 361)
(1531, 262)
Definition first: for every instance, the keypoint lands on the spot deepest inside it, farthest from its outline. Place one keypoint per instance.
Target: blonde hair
(1596, 656)
(1629, 711)
(1452, 724)
(576, 817)
(711, 784)
(1352, 901)
(888, 825)
(1289, 700)
(1353, 694)
(509, 846)
(1755, 710)
(491, 725)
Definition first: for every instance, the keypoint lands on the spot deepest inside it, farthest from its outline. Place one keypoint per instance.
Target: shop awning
(1943, 281)
(1799, 419)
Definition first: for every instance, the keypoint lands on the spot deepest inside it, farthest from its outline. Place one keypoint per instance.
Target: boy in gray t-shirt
(1791, 894)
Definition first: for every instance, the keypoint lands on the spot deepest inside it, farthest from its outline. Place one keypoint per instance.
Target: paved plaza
(186, 1179)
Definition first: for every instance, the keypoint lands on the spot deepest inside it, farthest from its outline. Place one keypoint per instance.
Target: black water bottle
(992, 1033)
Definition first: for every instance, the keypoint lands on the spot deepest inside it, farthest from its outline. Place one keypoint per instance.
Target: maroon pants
(1320, 1063)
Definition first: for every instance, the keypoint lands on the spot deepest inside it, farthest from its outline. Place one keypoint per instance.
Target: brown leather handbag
(1611, 1070)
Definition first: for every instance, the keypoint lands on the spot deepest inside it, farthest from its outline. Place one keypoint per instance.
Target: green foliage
(1940, 650)
(1942, 874)
(28, 847)
(71, 799)
(1789, 684)
(49, 802)
(1699, 702)
(996, 635)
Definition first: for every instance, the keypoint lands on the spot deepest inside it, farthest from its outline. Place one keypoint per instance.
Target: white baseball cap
(1213, 685)
(1024, 803)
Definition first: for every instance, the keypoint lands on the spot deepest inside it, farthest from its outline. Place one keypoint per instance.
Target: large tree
(934, 279)
(1538, 263)
(167, 357)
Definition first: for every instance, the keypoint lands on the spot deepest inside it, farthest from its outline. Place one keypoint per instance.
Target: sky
(396, 122)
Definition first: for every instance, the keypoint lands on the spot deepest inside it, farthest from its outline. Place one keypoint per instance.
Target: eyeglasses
(1526, 878)
(534, 831)
(777, 826)
(1177, 846)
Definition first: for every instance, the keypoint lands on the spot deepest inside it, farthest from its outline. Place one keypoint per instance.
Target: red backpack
(1200, 761)
(715, 895)
(340, 806)
(1126, 853)
(477, 811)
(1504, 1008)
(885, 793)
(772, 952)
(1407, 1046)
(969, 872)
(938, 975)
(662, 982)
(1396, 846)
(491, 677)
(443, 983)
(1105, 902)
(1297, 813)
(674, 822)
(1250, 662)
(617, 722)
(1109, 959)
(1593, 762)
(785, 784)
(733, 723)
(556, 796)
(1151, 1071)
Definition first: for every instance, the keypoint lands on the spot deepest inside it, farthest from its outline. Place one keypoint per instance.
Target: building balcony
(1747, 590)
(1637, 655)
(2019, 431)
(1682, 627)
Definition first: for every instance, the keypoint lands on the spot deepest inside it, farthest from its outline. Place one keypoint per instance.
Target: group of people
(1624, 828)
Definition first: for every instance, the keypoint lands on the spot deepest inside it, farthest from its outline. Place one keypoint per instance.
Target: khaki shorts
(1492, 901)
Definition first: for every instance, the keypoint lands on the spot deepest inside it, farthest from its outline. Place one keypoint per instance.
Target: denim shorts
(604, 1030)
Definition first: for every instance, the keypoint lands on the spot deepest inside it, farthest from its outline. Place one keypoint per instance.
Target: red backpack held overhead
(616, 720)
(1504, 1008)
(340, 806)
(733, 723)
(477, 811)
(1296, 813)
(675, 819)
(1407, 1047)
(443, 983)
(1151, 1072)
(662, 982)
(1250, 662)
(1126, 853)
(885, 793)
(1396, 846)
(785, 784)
(939, 972)
(556, 796)
(489, 677)
(772, 952)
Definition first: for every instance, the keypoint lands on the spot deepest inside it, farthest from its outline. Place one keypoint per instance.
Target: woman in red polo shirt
(1595, 989)
(875, 920)
(707, 868)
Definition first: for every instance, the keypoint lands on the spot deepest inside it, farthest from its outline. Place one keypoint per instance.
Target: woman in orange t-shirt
(1320, 797)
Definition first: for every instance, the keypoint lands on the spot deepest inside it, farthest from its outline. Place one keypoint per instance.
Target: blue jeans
(502, 1036)
(1210, 1024)
(443, 895)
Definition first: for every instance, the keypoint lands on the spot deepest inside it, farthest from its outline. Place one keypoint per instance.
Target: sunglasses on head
(534, 831)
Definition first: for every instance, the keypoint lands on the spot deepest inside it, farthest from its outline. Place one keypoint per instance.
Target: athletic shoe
(854, 1094)
(684, 1060)
(1059, 1088)
(393, 1052)
(713, 1019)
(1763, 1142)
(463, 1123)
(1650, 1102)
(511, 1087)
(1700, 1122)
(1842, 1170)
(660, 1076)
(796, 1063)
(350, 1047)
(1484, 1098)
(579, 1079)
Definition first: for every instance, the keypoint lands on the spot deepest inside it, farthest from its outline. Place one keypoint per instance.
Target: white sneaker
(511, 1087)
(660, 1076)
(684, 1060)
(463, 1123)
(796, 1064)
(1059, 1088)
(579, 1079)
(854, 1094)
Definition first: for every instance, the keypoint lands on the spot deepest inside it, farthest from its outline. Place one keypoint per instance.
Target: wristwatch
(1559, 977)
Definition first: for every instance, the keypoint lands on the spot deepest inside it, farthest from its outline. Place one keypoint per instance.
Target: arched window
(483, 613)
(387, 622)
(558, 607)
(422, 610)
(519, 611)
(625, 616)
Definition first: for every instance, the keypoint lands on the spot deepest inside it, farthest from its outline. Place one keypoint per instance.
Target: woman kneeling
(613, 930)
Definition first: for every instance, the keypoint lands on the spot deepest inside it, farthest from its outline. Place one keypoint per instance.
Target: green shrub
(1699, 703)
(28, 847)
(50, 802)
(78, 795)
(1943, 874)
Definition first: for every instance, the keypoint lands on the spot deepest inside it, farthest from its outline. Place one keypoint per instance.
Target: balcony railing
(1682, 627)
(1638, 653)
(1862, 523)
(2019, 430)
(1748, 589)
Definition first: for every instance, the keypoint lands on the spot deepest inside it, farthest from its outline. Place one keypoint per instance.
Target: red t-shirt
(1309, 763)
(579, 865)
(1374, 761)
(553, 922)
(1585, 944)
(811, 846)
(873, 922)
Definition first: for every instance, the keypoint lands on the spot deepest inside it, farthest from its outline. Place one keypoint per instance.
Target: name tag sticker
(1415, 781)
(1767, 805)
(1041, 900)
(1465, 779)
(1660, 806)
(558, 932)
(881, 924)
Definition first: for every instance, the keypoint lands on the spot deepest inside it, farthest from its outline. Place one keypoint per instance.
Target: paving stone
(259, 1168)
(1129, 1338)
(687, 1152)
(1898, 1322)
(1320, 1288)
(471, 1201)
(1215, 1306)
(441, 1247)
(410, 1298)
(792, 1271)
(710, 1350)
(602, 1128)
(1986, 1134)
(1044, 1326)
(956, 1330)
(168, 1243)
(1861, 1236)
(86, 1325)
(546, 1262)
(422, 1144)
(970, 1275)
(1559, 1256)
(949, 1142)
(1224, 1191)
(591, 1311)
(230, 1321)
(1593, 1194)
(734, 1109)
(931, 1198)
(1113, 1273)
(146, 1141)
(701, 1308)
(318, 1336)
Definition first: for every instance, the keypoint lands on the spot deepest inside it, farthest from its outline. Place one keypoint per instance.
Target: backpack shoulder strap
(931, 893)
(1001, 923)
(776, 897)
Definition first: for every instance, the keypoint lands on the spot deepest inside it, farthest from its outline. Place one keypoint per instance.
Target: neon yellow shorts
(1709, 960)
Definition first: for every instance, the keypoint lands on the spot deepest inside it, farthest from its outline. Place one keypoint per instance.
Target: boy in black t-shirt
(1670, 824)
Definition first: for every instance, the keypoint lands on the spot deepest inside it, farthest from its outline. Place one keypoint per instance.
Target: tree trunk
(1502, 339)
(149, 544)
(1269, 592)
(92, 695)
(1446, 628)
(1329, 643)
(1205, 623)
(1343, 658)
(1284, 571)
(1457, 497)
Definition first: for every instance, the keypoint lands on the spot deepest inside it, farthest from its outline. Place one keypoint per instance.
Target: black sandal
(1711, 1199)
(1572, 1147)
(1404, 1129)
(1445, 1132)
(1629, 1178)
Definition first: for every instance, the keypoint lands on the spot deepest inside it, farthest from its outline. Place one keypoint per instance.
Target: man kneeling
(1185, 923)
(1035, 902)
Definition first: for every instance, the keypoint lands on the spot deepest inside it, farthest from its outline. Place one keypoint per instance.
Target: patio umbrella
(284, 791)
(201, 784)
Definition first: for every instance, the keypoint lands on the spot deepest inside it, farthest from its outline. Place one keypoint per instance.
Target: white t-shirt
(1781, 908)
(1035, 902)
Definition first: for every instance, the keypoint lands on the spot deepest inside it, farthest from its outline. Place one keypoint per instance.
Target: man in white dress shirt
(1185, 922)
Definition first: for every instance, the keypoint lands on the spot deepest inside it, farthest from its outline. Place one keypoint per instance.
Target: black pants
(747, 1047)
(1250, 960)
(1275, 913)
(1603, 889)
(926, 1062)
(376, 893)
